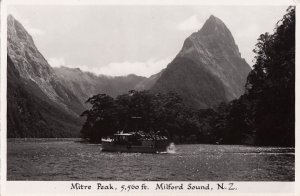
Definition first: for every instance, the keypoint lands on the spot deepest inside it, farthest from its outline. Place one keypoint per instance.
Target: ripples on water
(64, 159)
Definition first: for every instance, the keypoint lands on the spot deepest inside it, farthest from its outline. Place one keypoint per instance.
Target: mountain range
(86, 84)
(46, 102)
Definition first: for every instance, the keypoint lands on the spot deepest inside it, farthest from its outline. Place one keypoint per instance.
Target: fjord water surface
(64, 159)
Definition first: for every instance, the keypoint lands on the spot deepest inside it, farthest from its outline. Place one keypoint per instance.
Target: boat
(135, 142)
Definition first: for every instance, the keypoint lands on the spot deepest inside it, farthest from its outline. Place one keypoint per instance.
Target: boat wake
(171, 149)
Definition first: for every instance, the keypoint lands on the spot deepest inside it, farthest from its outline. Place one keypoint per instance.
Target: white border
(151, 2)
(63, 187)
(3, 88)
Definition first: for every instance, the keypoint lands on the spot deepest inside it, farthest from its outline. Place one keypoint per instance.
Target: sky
(121, 40)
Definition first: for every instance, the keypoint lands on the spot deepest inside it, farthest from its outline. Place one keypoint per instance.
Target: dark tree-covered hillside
(265, 114)
(138, 111)
(271, 84)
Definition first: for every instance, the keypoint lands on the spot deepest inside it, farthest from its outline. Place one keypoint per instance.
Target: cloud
(147, 68)
(56, 62)
(34, 31)
(190, 24)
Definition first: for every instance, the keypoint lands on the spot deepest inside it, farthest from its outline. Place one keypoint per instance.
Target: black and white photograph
(150, 93)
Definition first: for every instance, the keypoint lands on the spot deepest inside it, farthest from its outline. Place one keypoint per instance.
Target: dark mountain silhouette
(38, 104)
(208, 69)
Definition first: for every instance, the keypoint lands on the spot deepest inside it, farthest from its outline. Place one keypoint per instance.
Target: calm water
(46, 159)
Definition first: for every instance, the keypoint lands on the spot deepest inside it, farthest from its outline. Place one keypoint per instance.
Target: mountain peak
(212, 61)
(216, 26)
(213, 18)
(212, 35)
(17, 33)
(10, 17)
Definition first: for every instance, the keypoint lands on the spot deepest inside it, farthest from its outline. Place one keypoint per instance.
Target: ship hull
(160, 146)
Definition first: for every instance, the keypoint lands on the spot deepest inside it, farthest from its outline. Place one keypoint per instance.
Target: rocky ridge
(208, 69)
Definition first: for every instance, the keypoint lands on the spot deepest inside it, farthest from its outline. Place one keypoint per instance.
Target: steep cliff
(208, 69)
(34, 88)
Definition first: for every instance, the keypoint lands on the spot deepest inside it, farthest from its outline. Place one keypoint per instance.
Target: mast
(136, 121)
